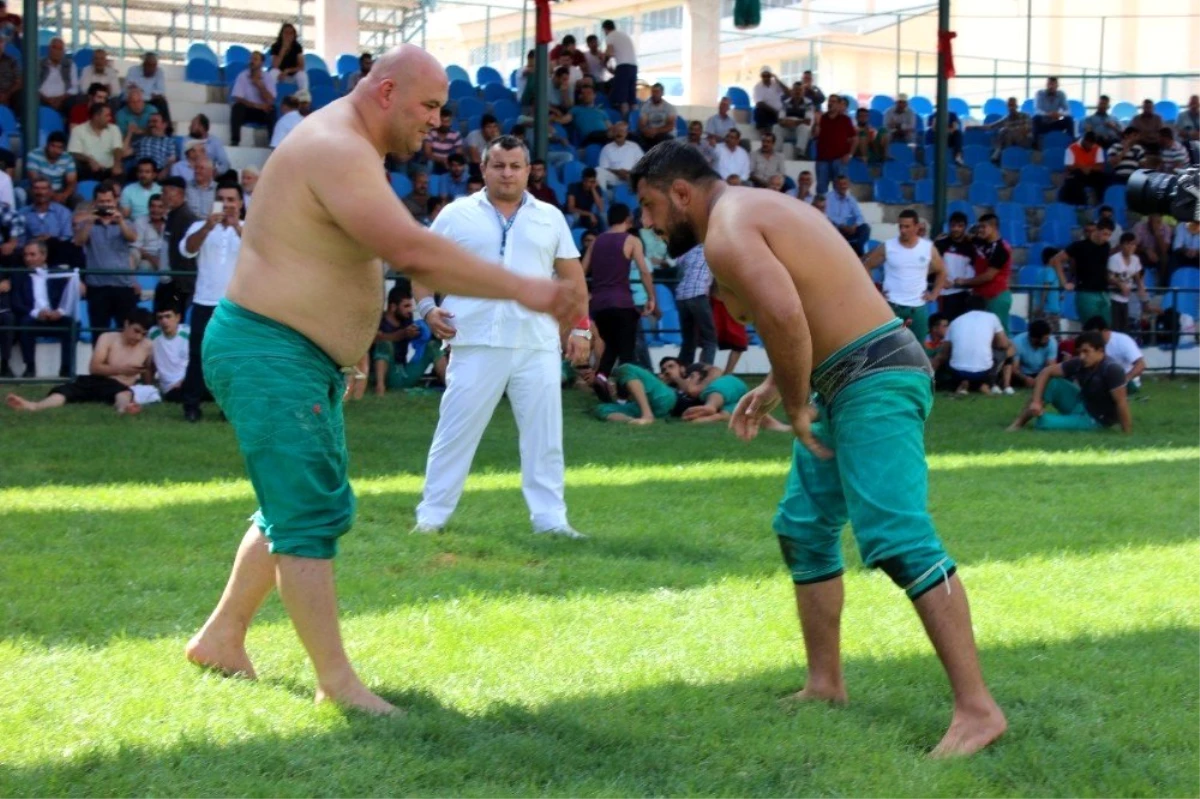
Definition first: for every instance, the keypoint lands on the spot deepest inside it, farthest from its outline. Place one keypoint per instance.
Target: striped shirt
(158, 149)
(56, 172)
(696, 278)
(1124, 165)
(444, 145)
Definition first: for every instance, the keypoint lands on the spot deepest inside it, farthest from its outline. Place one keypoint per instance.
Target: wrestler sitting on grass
(651, 398)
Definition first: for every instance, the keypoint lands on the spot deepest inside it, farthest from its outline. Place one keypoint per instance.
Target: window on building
(791, 69)
(662, 19)
(483, 56)
(514, 49)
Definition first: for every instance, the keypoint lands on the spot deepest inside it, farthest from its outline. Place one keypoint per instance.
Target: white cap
(901, 96)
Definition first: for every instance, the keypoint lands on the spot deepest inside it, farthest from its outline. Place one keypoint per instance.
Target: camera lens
(1150, 192)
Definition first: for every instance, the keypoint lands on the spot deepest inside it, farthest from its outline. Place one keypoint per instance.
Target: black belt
(897, 351)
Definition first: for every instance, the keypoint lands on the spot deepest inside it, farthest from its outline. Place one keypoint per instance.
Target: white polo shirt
(215, 261)
(537, 237)
(971, 336)
(622, 46)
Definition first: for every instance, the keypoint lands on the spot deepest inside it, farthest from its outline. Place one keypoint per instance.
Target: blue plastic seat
(881, 103)
(1124, 111)
(901, 152)
(1029, 193)
(964, 207)
(1061, 213)
(888, 192)
(82, 59)
(958, 105)
(665, 297)
(923, 191)
(851, 102)
(572, 172)
(858, 172)
(318, 77)
(505, 109)
(495, 92)
(1115, 196)
(1013, 231)
(1014, 157)
(1078, 110)
(86, 188)
(231, 75)
(982, 194)
(898, 171)
(1026, 107)
(1035, 175)
(347, 64)
(591, 155)
(992, 118)
(322, 96)
(469, 107)
(486, 75)
(236, 54)
(1056, 234)
(8, 122)
(987, 173)
(1186, 302)
(738, 97)
(1054, 139)
(400, 184)
(456, 73)
(974, 154)
(1010, 210)
(1053, 158)
(313, 61)
(624, 195)
(875, 118)
(995, 106)
(461, 89)
(203, 71)
(199, 51)
(921, 105)
(978, 137)
(49, 120)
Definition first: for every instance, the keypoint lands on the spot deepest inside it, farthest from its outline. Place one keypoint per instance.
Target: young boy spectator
(1088, 391)
(169, 348)
(1125, 276)
(1035, 350)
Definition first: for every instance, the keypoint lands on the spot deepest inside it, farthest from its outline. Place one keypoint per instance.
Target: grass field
(647, 660)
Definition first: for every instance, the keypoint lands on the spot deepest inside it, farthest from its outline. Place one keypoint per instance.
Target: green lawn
(645, 661)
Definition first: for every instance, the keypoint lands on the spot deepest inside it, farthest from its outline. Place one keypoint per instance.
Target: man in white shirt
(102, 72)
(170, 340)
(1122, 349)
(294, 111)
(972, 344)
(597, 61)
(59, 80)
(253, 99)
(732, 158)
(500, 347)
(908, 261)
(622, 91)
(152, 81)
(768, 100)
(215, 243)
(618, 157)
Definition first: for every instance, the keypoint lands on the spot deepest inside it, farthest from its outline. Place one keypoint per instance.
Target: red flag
(946, 49)
(544, 36)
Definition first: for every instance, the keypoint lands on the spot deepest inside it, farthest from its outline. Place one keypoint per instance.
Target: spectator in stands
(732, 158)
(768, 100)
(59, 79)
(538, 186)
(97, 146)
(12, 232)
(365, 61)
(804, 187)
(766, 163)
(1107, 212)
(820, 203)
(596, 61)
(939, 325)
(993, 269)
(435, 206)
(1122, 349)
(253, 100)
(118, 361)
(49, 222)
(561, 95)
(202, 189)
(1149, 126)
(619, 49)
(105, 236)
(417, 200)
(696, 321)
(1051, 112)
(455, 181)
(169, 341)
(618, 157)
(56, 165)
(1154, 243)
(1124, 157)
(250, 175)
(11, 81)
(1173, 156)
(477, 140)
(799, 115)
(193, 151)
(1034, 350)
(720, 123)
(287, 57)
(156, 146)
(776, 183)
(845, 214)
(959, 255)
(36, 303)
(1085, 170)
(589, 121)
(1126, 276)
(585, 202)
(404, 349)
(1013, 130)
(79, 111)
(135, 198)
(836, 138)
(899, 123)
(656, 119)
(868, 146)
(570, 48)
(292, 115)
(1188, 124)
(972, 342)
(214, 242)
(1088, 259)
(147, 251)
(1186, 246)
(526, 86)
(176, 290)
(152, 81)
(442, 142)
(574, 73)
(134, 118)
(198, 130)
(811, 90)
(1106, 128)
(908, 262)
(698, 140)
(1088, 391)
(612, 307)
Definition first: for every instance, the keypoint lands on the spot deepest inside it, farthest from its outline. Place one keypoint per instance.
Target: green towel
(747, 14)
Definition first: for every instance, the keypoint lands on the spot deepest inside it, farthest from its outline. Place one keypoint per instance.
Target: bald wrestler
(303, 305)
(858, 415)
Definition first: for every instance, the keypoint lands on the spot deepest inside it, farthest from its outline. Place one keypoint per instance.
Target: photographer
(105, 236)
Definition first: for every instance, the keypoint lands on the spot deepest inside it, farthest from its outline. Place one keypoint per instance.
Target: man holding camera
(105, 236)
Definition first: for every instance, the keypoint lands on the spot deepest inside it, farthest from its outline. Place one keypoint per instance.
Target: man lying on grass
(651, 398)
(717, 392)
(1088, 391)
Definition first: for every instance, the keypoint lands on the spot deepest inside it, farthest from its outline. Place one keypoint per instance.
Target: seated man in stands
(253, 98)
(169, 342)
(365, 62)
(768, 100)
(1148, 124)
(869, 144)
(201, 190)
(135, 197)
(1051, 111)
(417, 200)
(1122, 349)
(48, 305)
(899, 124)
(152, 82)
(585, 202)
(101, 71)
(1085, 170)
(1035, 349)
(732, 158)
(156, 146)
(78, 115)
(134, 117)
(766, 163)
(538, 186)
(294, 108)
(561, 96)
(198, 131)
(457, 178)
(1172, 156)
(60, 78)
(477, 140)
(804, 187)
(118, 361)
(1124, 157)
(1185, 249)
(617, 157)
(799, 115)
(98, 147)
(656, 119)
(972, 343)
(1088, 391)
(56, 165)
(49, 222)
(589, 121)
(1015, 129)
(442, 142)
(404, 349)
(844, 212)
(1104, 125)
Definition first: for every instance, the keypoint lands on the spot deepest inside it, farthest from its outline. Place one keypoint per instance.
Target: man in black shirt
(1089, 266)
(958, 254)
(1088, 391)
(177, 291)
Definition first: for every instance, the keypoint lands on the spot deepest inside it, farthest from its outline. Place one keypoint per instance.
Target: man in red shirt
(1085, 170)
(835, 136)
(568, 46)
(538, 186)
(993, 269)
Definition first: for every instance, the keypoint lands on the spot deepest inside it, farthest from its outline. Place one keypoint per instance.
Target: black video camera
(1175, 195)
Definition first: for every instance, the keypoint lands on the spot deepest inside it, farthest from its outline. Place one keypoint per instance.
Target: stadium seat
(437, 185)
(901, 152)
(1115, 196)
(12, 50)
(978, 137)
(988, 173)
(347, 64)
(8, 122)
(634, 115)
(851, 102)
(1186, 302)
(858, 172)
(1014, 157)
(963, 206)
(486, 75)
(237, 54)
(313, 61)
(560, 188)
(319, 77)
(282, 89)
(881, 103)
(322, 95)
(1124, 111)
(898, 171)
(888, 192)
(1017, 325)
(496, 92)
(86, 188)
(400, 183)
(974, 154)
(875, 118)
(231, 75)
(199, 51)
(624, 195)
(1010, 210)
(923, 191)
(1056, 138)
(1167, 109)
(921, 105)
(505, 109)
(995, 106)
(1053, 158)
(982, 194)
(82, 59)
(614, 115)
(461, 89)
(591, 155)
(1056, 234)
(49, 120)
(470, 106)
(1012, 230)
(456, 73)
(1069, 311)
(872, 244)
(958, 105)
(738, 96)
(572, 172)
(1078, 110)
(1035, 175)
(577, 233)
(665, 297)
(204, 72)
(1029, 194)
(1061, 213)
(992, 118)
(1026, 107)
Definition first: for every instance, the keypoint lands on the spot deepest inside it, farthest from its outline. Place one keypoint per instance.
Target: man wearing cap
(768, 100)
(295, 108)
(193, 150)
(899, 123)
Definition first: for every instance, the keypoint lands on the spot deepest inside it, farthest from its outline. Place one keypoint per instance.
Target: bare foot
(207, 650)
(355, 696)
(18, 403)
(132, 409)
(834, 696)
(1013, 428)
(971, 731)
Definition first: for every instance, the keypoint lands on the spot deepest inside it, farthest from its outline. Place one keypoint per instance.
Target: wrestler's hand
(751, 409)
(561, 299)
(1037, 408)
(802, 426)
(579, 349)
(439, 323)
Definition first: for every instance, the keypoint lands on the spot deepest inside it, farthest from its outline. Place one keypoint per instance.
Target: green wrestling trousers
(283, 396)
(917, 318)
(1065, 398)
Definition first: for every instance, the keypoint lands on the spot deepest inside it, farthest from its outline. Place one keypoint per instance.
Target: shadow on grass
(1129, 729)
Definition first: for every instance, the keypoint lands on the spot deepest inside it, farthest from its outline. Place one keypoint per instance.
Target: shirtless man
(118, 360)
(306, 294)
(860, 454)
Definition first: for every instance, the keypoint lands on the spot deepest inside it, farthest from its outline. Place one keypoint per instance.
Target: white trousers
(476, 378)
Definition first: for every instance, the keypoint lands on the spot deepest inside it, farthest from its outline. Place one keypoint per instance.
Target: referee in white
(498, 347)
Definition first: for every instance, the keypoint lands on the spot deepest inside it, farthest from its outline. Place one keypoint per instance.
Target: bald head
(406, 65)
(402, 96)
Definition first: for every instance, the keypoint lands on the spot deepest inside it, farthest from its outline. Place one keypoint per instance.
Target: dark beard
(680, 239)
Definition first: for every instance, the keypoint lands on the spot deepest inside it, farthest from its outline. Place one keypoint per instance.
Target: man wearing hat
(899, 123)
(295, 108)
(768, 100)
(193, 150)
